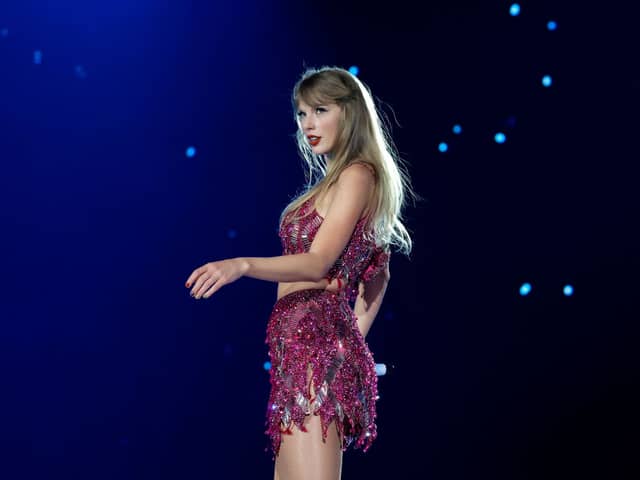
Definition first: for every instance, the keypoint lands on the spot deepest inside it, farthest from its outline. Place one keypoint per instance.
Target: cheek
(335, 126)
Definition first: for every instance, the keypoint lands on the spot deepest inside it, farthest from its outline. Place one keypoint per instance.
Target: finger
(203, 286)
(215, 287)
(193, 277)
(199, 283)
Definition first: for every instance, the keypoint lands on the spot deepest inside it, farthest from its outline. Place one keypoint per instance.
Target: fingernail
(188, 284)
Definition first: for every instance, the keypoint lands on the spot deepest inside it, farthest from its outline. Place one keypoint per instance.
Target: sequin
(314, 341)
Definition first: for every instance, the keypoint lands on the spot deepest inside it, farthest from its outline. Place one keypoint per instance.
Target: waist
(305, 294)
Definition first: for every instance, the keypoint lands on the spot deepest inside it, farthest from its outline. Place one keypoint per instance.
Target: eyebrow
(315, 106)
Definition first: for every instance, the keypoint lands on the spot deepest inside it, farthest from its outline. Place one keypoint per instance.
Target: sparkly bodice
(361, 259)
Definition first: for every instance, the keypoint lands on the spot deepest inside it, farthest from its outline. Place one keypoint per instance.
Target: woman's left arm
(369, 300)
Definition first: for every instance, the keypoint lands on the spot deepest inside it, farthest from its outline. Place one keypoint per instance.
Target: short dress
(313, 334)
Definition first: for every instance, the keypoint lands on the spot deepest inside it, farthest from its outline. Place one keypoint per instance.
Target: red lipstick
(313, 140)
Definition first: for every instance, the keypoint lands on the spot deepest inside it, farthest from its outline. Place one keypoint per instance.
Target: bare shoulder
(357, 182)
(358, 173)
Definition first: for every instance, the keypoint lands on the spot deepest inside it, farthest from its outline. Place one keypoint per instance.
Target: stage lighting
(546, 80)
(37, 57)
(267, 366)
(567, 290)
(191, 152)
(381, 369)
(231, 233)
(353, 70)
(551, 25)
(514, 10)
(525, 289)
(4, 32)
(443, 147)
(500, 137)
(80, 72)
(457, 129)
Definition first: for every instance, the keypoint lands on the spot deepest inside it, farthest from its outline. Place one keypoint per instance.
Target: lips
(313, 140)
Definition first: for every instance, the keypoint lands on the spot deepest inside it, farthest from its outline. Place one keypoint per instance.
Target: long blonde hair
(362, 137)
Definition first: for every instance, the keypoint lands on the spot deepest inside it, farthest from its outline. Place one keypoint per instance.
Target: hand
(210, 277)
(335, 285)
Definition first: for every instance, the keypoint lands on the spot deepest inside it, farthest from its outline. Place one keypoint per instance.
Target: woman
(332, 277)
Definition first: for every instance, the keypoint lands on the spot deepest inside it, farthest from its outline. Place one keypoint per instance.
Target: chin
(320, 151)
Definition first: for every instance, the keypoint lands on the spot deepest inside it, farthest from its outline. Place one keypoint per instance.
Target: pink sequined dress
(314, 332)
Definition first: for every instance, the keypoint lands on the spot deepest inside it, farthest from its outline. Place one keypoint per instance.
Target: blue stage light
(37, 57)
(4, 32)
(500, 137)
(354, 70)
(457, 129)
(231, 233)
(525, 289)
(546, 80)
(381, 369)
(514, 10)
(267, 366)
(190, 152)
(443, 147)
(567, 290)
(551, 25)
(80, 72)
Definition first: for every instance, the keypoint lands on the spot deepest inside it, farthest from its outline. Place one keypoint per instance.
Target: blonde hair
(363, 138)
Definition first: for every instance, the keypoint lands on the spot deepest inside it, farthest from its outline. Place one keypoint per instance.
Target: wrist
(244, 265)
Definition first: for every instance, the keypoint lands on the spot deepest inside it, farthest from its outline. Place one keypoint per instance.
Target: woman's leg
(304, 456)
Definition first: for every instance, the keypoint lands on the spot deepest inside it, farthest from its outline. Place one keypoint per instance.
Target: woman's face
(319, 124)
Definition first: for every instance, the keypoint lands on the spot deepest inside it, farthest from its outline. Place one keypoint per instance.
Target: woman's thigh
(304, 455)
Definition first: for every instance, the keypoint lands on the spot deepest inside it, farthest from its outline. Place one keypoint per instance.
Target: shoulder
(359, 173)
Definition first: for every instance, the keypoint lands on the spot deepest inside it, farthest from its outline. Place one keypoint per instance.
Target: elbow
(319, 268)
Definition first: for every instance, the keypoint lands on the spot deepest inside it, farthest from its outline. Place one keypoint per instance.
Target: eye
(300, 114)
(321, 110)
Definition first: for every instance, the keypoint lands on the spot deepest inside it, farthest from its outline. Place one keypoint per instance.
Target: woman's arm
(353, 189)
(299, 267)
(369, 300)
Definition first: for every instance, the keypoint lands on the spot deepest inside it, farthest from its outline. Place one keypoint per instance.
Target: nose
(307, 124)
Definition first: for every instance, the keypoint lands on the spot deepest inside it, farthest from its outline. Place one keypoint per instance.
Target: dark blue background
(109, 370)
